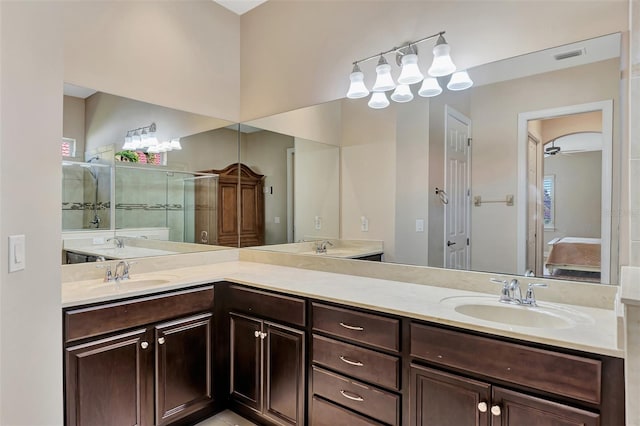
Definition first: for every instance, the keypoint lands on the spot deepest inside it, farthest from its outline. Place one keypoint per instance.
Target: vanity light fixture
(407, 59)
(145, 139)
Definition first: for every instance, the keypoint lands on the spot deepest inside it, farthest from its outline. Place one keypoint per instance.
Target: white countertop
(598, 334)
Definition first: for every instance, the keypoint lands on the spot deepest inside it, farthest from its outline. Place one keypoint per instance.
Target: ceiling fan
(552, 150)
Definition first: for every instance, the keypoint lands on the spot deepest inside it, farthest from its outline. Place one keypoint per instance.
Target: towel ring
(444, 198)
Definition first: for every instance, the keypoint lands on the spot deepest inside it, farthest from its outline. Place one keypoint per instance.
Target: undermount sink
(488, 308)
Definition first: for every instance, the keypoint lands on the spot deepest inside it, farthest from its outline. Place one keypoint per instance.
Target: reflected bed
(574, 254)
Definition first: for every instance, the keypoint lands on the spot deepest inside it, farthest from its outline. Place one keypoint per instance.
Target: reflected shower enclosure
(86, 195)
(181, 206)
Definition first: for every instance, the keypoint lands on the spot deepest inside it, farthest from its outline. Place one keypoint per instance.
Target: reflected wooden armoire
(246, 212)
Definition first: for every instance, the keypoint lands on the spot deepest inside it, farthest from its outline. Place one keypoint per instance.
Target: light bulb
(459, 81)
(442, 64)
(402, 94)
(430, 87)
(410, 72)
(378, 100)
(384, 81)
(357, 89)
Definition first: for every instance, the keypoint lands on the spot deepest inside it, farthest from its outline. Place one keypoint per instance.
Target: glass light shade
(384, 81)
(153, 149)
(430, 88)
(152, 139)
(128, 143)
(378, 100)
(442, 64)
(135, 140)
(164, 146)
(144, 139)
(410, 72)
(357, 89)
(402, 94)
(459, 81)
(175, 144)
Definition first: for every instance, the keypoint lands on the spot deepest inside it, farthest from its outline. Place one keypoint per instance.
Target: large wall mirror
(517, 173)
(127, 201)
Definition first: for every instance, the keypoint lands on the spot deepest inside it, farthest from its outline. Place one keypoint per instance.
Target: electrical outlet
(419, 225)
(364, 224)
(318, 222)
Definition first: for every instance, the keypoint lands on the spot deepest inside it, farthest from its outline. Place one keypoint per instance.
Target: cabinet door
(518, 409)
(442, 399)
(284, 374)
(183, 367)
(107, 381)
(246, 360)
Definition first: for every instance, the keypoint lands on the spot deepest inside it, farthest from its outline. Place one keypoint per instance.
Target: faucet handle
(505, 296)
(530, 298)
(108, 275)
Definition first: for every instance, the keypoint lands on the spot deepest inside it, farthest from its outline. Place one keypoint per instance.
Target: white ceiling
(240, 6)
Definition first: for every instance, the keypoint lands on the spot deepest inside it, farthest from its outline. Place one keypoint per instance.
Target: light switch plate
(419, 225)
(16, 253)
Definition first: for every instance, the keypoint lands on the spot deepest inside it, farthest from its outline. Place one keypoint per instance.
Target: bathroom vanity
(289, 346)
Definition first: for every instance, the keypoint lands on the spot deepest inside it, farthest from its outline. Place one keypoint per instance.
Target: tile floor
(226, 418)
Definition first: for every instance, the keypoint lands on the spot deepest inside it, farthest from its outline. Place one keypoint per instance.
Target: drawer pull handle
(356, 397)
(483, 407)
(348, 361)
(352, 327)
(495, 410)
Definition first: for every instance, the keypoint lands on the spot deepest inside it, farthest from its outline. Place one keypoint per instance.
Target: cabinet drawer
(267, 305)
(373, 402)
(374, 330)
(365, 364)
(96, 320)
(567, 375)
(324, 413)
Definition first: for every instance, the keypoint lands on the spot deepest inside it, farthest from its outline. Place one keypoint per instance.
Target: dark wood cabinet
(183, 367)
(443, 399)
(267, 369)
(106, 381)
(137, 373)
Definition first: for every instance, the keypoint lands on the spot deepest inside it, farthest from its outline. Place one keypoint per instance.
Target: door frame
(606, 107)
(290, 194)
(449, 110)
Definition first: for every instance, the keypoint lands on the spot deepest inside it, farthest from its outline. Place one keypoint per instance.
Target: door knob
(449, 243)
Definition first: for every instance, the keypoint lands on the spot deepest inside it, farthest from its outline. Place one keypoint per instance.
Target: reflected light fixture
(407, 60)
(460, 80)
(145, 139)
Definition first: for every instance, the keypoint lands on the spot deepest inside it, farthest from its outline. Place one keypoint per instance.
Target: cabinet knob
(483, 407)
(263, 335)
(144, 345)
(256, 333)
(495, 410)
(161, 341)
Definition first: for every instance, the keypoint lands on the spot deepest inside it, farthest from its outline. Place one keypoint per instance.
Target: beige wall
(578, 194)
(31, 74)
(266, 153)
(316, 189)
(109, 117)
(179, 54)
(494, 112)
(555, 127)
(300, 53)
(73, 122)
(631, 185)
(214, 149)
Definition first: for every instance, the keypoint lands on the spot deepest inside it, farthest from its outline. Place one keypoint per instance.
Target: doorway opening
(564, 170)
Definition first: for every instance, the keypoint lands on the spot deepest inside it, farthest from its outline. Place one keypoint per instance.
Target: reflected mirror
(461, 181)
(146, 198)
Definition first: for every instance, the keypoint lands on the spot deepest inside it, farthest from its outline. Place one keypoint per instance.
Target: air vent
(571, 54)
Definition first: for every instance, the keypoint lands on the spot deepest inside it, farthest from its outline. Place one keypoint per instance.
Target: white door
(457, 169)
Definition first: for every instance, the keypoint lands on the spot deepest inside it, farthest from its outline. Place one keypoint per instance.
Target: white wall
(30, 196)
(300, 53)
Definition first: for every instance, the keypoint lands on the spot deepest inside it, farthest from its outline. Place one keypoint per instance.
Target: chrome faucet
(511, 292)
(321, 246)
(96, 221)
(119, 241)
(122, 270)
